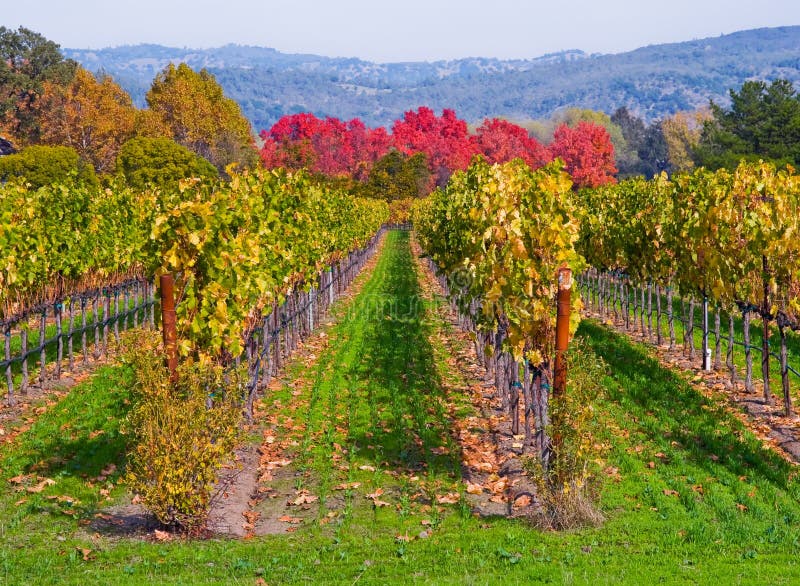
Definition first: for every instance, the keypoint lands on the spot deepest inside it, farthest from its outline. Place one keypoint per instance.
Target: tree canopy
(193, 108)
(762, 122)
(92, 116)
(27, 61)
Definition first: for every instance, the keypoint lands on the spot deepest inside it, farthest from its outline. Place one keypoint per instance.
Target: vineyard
(379, 392)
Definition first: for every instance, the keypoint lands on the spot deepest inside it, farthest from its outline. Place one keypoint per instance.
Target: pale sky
(402, 30)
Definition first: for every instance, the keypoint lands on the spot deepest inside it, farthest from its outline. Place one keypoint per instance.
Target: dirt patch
(234, 491)
(128, 520)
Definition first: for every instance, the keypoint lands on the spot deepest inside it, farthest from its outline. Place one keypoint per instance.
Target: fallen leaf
(347, 486)
(288, 519)
(87, 554)
(162, 535)
(367, 468)
(741, 507)
(41, 486)
(669, 492)
(522, 501)
(304, 499)
(280, 463)
(450, 498)
(474, 488)
(378, 492)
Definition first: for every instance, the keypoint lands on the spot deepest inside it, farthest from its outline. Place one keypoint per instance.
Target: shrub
(46, 165)
(183, 433)
(569, 487)
(160, 162)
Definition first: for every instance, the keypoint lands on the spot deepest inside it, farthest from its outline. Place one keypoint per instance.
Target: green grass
(377, 391)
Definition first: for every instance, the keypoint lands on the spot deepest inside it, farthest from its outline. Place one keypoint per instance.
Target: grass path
(365, 416)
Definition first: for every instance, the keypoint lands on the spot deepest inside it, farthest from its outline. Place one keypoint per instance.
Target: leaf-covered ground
(363, 463)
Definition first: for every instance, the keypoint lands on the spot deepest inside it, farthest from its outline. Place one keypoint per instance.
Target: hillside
(652, 81)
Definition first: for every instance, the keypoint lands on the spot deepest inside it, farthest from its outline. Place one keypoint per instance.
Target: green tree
(41, 165)
(160, 162)
(27, 60)
(194, 109)
(398, 176)
(647, 142)
(763, 122)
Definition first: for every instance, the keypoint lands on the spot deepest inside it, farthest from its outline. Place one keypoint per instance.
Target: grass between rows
(690, 495)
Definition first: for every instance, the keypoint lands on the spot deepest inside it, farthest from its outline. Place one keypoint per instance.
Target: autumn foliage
(329, 146)
(349, 149)
(501, 141)
(95, 117)
(587, 153)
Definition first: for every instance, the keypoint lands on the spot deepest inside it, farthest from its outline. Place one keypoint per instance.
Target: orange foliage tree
(95, 117)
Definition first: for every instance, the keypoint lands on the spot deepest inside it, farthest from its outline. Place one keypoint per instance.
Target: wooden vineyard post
(562, 342)
(168, 326)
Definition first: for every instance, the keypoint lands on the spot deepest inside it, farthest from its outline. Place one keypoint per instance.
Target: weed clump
(568, 487)
(182, 433)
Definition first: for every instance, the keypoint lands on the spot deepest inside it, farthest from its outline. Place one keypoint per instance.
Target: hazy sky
(395, 30)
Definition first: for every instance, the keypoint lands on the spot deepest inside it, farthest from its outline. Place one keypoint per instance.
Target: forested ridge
(652, 81)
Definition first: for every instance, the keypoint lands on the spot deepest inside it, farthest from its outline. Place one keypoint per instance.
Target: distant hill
(652, 82)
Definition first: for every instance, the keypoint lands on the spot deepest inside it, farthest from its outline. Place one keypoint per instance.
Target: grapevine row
(237, 248)
(728, 237)
(499, 234)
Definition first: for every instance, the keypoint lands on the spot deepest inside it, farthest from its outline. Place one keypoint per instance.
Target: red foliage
(334, 147)
(587, 153)
(327, 146)
(501, 141)
(445, 140)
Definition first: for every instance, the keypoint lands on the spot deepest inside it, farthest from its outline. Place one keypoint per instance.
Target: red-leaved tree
(328, 146)
(587, 153)
(445, 140)
(501, 141)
